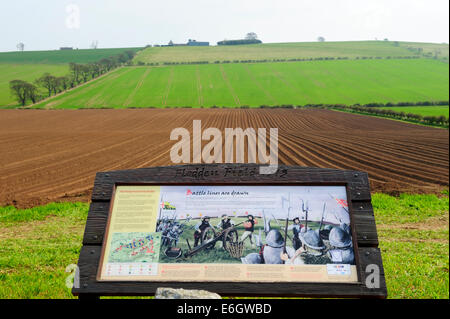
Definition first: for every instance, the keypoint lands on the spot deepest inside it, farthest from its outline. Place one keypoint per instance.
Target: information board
(237, 233)
(225, 228)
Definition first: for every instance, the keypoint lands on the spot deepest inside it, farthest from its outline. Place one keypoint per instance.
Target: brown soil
(53, 155)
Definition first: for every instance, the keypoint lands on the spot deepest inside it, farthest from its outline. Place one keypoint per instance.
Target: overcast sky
(49, 24)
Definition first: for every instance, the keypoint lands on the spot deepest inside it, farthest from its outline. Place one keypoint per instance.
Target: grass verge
(37, 244)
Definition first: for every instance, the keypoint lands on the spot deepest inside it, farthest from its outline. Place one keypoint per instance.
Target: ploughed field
(255, 84)
(53, 155)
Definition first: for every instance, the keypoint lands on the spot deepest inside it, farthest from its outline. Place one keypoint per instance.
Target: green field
(26, 72)
(311, 82)
(434, 110)
(37, 244)
(60, 56)
(29, 65)
(350, 49)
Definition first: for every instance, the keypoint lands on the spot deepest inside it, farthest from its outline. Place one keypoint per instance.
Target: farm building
(197, 43)
(189, 43)
(171, 44)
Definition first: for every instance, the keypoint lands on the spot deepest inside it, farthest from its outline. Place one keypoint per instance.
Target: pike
(323, 214)
(279, 225)
(286, 227)
(266, 223)
(174, 218)
(160, 207)
(285, 234)
(305, 210)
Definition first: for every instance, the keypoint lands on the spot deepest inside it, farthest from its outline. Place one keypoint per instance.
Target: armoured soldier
(167, 226)
(200, 228)
(271, 252)
(341, 251)
(325, 232)
(174, 234)
(312, 242)
(312, 245)
(162, 224)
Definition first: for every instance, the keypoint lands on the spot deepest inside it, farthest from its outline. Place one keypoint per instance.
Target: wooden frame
(360, 207)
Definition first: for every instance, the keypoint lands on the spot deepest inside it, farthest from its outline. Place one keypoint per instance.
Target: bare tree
(321, 39)
(20, 46)
(94, 44)
(251, 36)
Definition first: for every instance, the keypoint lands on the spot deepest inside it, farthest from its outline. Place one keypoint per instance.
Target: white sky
(49, 24)
(259, 199)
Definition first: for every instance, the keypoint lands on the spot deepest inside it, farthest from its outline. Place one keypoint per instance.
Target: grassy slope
(58, 56)
(26, 72)
(36, 246)
(440, 50)
(437, 110)
(346, 82)
(29, 65)
(349, 49)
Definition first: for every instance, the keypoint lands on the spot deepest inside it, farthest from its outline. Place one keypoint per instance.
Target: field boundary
(251, 61)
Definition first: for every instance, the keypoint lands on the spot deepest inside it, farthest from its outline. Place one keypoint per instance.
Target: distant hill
(29, 65)
(273, 51)
(60, 56)
(255, 84)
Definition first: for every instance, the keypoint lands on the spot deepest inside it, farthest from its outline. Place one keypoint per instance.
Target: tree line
(412, 117)
(25, 91)
(239, 42)
(372, 109)
(377, 110)
(141, 63)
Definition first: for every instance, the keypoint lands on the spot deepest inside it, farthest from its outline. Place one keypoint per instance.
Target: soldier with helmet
(271, 252)
(325, 232)
(341, 251)
(312, 244)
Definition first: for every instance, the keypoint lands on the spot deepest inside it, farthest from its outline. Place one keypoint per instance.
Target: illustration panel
(238, 233)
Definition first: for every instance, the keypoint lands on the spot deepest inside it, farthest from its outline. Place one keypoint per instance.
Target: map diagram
(135, 247)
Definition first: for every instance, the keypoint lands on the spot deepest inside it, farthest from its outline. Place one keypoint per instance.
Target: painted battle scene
(293, 225)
